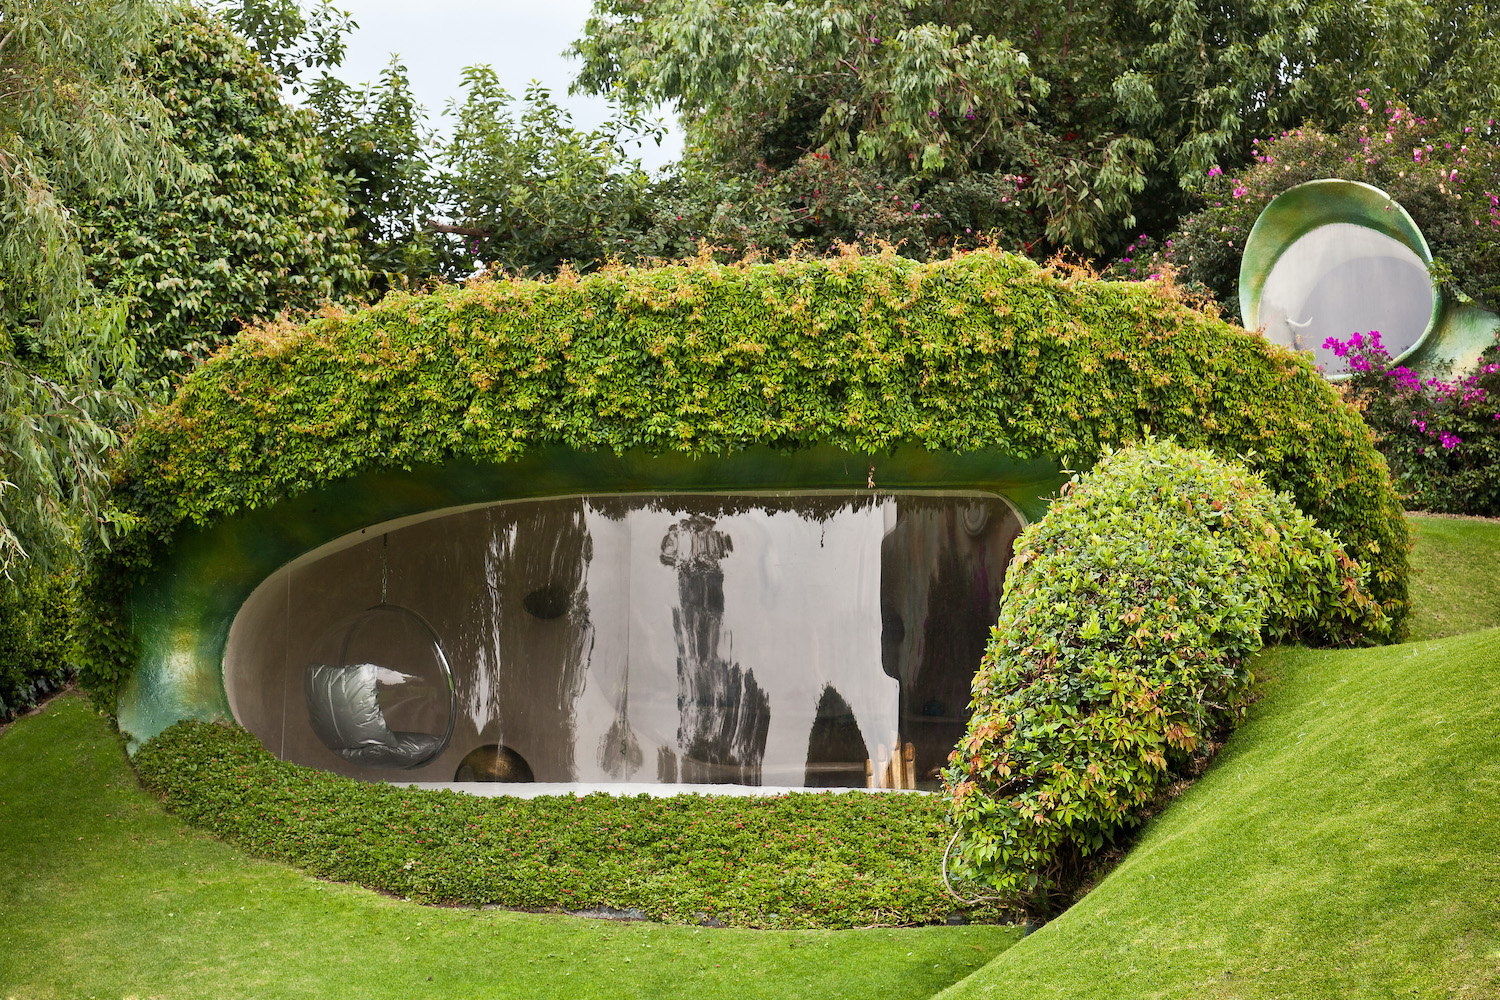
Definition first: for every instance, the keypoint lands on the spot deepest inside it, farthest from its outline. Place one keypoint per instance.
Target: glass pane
(1342, 279)
(792, 640)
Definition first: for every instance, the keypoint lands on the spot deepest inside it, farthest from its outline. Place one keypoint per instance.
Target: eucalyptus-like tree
(72, 116)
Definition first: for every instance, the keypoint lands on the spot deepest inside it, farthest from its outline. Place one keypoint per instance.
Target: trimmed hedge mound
(800, 860)
(985, 350)
(1127, 622)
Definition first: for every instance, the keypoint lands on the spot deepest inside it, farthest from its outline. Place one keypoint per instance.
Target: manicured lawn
(1346, 843)
(103, 894)
(1456, 576)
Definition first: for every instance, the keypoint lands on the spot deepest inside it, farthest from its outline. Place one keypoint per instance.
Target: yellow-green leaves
(1125, 628)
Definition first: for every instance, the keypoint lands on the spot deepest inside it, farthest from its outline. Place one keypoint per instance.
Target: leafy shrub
(262, 230)
(863, 353)
(1447, 179)
(1441, 436)
(1128, 617)
(801, 860)
(36, 621)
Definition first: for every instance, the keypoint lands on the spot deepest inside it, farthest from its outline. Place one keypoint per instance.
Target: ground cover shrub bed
(864, 353)
(800, 860)
(1129, 617)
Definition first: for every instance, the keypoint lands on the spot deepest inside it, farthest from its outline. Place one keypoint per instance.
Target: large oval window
(1341, 279)
(794, 640)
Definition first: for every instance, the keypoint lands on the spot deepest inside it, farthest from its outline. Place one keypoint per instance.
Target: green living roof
(751, 371)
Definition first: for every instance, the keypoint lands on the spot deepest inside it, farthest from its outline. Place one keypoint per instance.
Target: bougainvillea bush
(1447, 177)
(1440, 435)
(1128, 618)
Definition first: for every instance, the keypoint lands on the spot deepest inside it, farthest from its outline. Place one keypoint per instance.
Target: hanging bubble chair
(379, 689)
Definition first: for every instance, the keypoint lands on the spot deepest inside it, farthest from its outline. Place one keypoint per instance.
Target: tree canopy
(71, 116)
(1104, 114)
(263, 229)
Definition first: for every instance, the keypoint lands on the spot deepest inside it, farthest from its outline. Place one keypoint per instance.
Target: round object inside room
(1341, 279)
(808, 640)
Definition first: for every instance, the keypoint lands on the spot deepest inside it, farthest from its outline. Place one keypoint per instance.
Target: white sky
(523, 41)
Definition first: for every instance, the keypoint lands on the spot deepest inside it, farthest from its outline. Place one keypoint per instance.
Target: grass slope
(1346, 843)
(103, 894)
(1455, 575)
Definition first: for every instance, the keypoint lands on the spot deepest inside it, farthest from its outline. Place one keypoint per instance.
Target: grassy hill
(1345, 843)
(103, 894)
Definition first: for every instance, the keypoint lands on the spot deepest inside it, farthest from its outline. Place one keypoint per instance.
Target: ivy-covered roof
(982, 351)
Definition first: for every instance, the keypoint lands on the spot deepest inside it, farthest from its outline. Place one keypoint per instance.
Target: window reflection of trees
(589, 636)
(725, 715)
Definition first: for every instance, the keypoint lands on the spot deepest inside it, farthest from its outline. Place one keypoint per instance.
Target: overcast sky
(523, 41)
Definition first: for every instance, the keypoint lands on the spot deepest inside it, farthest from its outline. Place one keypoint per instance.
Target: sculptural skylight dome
(1342, 278)
(1332, 258)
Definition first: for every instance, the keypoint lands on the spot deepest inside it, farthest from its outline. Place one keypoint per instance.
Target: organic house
(694, 525)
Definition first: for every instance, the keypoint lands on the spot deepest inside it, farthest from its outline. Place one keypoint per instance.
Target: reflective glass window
(806, 640)
(1341, 279)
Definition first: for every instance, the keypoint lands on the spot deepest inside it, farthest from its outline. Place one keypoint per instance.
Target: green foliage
(818, 203)
(1441, 436)
(376, 142)
(265, 231)
(1107, 111)
(1128, 618)
(531, 192)
(71, 116)
(36, 623)
(800, 860)
(1446, 176)
(288, 39)
(982, 351)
